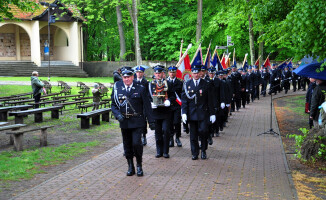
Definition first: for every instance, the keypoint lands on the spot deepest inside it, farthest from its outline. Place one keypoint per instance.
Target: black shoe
(144, 140)
(194, 158)
(171, 143)
(166, 155)
(177, 140)
(203, 155)
(230, 113)
(210, 140)
(158, 155)
(140, 171)
(131, 168)
(221, 128)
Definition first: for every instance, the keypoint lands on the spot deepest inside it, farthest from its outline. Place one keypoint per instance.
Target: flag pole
(183, 56)
(181, 49)
(244, 60)
(233, 57)
(199, 46)
(209, 46)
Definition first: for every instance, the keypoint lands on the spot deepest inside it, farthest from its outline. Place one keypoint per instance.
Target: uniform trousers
(176, 123)
(198, 128)
(37, 99)
(257, 92)
(243, 97)
(263, 88)
(132, 144)
(162, 135)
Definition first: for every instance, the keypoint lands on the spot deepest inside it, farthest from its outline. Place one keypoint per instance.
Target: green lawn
(23, 165)
(65, 79)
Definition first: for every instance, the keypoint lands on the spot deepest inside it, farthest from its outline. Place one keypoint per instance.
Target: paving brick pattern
(240, 165)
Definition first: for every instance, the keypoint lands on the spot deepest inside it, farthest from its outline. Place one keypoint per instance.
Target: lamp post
(49, 5)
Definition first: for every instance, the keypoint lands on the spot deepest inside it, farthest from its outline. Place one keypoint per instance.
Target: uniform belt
(126, 115)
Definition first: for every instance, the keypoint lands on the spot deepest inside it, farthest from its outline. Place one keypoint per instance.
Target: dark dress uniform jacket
(250, 81)
(318, 97)
(204, 107)
(138, 99)
(175, 87)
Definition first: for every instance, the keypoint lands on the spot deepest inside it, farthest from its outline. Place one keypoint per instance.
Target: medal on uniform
(200, 92)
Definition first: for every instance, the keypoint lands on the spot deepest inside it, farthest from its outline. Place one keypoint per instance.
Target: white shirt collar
(129, 86)
(196, 80)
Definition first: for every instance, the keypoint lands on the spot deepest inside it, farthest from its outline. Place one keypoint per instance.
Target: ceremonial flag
(223, 61)
(207, 61)
(245, 63)
(184, 67)
(245, 66)
(257, 62)
(289, 65)
(215, 62)
(267, 63)
(198, 58)
(282, 65)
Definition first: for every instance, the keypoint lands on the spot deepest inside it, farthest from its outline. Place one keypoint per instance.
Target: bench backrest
(94, 112)
(13, 126)
(37, 110)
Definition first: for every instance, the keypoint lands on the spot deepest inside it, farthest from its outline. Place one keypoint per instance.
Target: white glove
(276, 79)
(184, 118)
(227, 105)
(246, 90)
(153, 105)
(167, 103)
(222, 105)
(212, 119)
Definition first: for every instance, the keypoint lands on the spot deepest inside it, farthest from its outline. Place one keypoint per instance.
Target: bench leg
(55, 114)
(96, 120)
(11, 140)
(43, 138)
(38, 117)
(84, 123)
(4, 116)
(19, 119)
(106, 117)
(18, 142)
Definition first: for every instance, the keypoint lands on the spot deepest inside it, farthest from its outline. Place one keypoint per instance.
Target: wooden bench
(47, 86)
(61, 83)
(48, 102)
(79, 84)
(14, 103)
(18, 137)
(66, 96)
(85, 90)
(12, 127)
(4, 110)
(52, 94)
(95, 115)
(38, 114)
(85, 106)
(13, 99)
(3, 123)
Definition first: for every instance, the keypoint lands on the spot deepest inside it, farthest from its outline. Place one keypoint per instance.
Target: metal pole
(49, 42)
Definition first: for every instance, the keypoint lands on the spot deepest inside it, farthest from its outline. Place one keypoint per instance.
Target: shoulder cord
(187, 93)
(150, 90)
(116, 97)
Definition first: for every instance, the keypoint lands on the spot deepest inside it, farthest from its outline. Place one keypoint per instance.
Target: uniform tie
(196, 83)
(128, 89)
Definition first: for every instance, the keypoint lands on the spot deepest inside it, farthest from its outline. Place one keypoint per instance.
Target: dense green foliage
(291, 29)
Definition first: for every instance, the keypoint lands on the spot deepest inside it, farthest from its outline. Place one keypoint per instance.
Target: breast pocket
(135, 96)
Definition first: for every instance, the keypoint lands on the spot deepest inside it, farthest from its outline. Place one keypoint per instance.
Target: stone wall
(103, 69)
(7, 45)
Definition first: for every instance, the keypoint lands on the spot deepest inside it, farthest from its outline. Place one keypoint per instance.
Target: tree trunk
(251, 41)
(121, 33)
(199, 19)
(261, 49)
(136, 33)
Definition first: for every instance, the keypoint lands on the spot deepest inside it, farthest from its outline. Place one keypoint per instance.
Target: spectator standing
(37, 87)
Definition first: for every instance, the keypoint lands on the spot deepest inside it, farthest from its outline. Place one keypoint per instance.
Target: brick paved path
(240, 165)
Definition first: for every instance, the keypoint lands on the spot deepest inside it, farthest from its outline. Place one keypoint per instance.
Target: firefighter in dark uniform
(286, 78)
(197, 108)
(243, 81)
(294, 80)
(141, 80)
(131, 106)
(235, 78)
(219, 101)
(257, 81)
(161, 102)
(175, 90)
(225, 99)
(251, 85)
(265, 76)
(274, 79)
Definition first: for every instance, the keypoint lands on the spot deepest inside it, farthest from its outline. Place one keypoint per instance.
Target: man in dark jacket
(264, 78)
(161, 104)
(286, 78)
(130, 106)
(318, 97)
(141, 80)
(257, 81)
(197, 108)
(175, 89)
(117, 75)
(37, 87)
(251, 84)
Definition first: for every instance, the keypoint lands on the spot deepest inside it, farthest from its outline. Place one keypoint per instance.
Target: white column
(35, 43)
(17, 38)
(74, 43)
